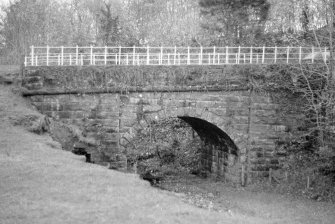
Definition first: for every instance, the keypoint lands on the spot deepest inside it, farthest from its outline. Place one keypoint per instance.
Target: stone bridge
(239, 126)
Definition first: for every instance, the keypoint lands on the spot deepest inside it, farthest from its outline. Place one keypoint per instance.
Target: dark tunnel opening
(211, 134)
(219, 153)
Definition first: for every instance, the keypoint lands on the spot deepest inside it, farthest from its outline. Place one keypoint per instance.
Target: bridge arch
(219, 152)
(211, 134)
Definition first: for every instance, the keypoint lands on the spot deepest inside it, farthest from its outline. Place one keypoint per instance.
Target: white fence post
(47, 55)
(175, 55)
(257, 58)
(120, 51)
(105, 55)
(148, 55)
(188, 55)
(134, 52)
(263, 56)
(161, 56)
(239, 54)
(214, 50)
(62, 56)
(77, 55)
(91, 55)
(276, 54)
(200, 57)
(32, 55)
(227, 55)
(251, 55)
(288, 54)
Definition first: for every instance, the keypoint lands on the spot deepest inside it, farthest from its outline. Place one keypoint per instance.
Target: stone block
(271, 120)
(78, 115)
(221, 112)
(260, 128)
(64, 114)
(71, 106)
(240, 119)
(37, 98)
(199, 112)
(124, 99)
(261, 99)
(96, 115)
(203, 104)
(151, 108)
(263, 113)
(265, 106)
(110, 108)
(241, 127)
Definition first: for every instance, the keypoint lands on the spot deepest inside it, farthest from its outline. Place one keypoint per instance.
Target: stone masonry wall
(252, 121)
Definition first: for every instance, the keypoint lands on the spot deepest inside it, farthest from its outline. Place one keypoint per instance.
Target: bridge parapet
(73, 79)
(135, 56)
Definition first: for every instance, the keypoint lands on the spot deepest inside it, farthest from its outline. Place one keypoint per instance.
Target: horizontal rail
(89, 55)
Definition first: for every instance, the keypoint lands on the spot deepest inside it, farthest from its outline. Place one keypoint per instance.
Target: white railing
(81, 56)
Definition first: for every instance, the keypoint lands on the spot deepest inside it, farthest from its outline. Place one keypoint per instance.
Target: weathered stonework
(252, 120)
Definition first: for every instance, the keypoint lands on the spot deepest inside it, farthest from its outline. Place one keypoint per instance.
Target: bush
(168, 146)
(311, 169)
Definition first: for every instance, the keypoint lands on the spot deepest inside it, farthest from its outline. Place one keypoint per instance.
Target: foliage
(96, 22)
(310, 146)
(21, 25)
(168, 145)
(234, 22)
(162, 23)
(110, 29)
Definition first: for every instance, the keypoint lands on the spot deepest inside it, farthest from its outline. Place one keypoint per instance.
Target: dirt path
(251, 202)
(40, 183)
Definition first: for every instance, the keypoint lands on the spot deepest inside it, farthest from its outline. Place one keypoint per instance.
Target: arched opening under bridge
(219, 152)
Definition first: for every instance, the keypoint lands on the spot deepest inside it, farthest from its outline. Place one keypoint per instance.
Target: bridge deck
(79, 56)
